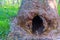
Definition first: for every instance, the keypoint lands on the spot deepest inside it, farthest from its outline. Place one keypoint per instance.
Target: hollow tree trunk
(37, 17)
(46, 9)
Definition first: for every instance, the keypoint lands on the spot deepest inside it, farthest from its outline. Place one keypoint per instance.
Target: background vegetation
(9, 9)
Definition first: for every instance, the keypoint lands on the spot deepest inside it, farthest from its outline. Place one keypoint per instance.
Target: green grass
(6, 12)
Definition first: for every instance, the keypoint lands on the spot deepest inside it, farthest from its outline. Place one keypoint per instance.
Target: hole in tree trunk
(37, 25)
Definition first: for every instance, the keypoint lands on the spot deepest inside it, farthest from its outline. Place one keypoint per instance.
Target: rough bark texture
(43, 8)
(36, 19)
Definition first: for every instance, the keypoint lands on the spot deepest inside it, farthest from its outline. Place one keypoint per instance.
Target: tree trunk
(46, 9)
(59, 1)
(13, 2)
(37, 17)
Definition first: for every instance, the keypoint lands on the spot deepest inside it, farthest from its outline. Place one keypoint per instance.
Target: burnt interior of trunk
(37, 25)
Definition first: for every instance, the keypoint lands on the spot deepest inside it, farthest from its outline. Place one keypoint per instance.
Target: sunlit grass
(6, 13)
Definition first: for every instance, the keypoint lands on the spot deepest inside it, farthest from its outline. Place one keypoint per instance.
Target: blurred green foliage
(6, 13)
(57, 1)
(59, 9)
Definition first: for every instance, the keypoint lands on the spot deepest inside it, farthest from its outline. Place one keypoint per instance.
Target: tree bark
(38, 17)
(47, 9)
